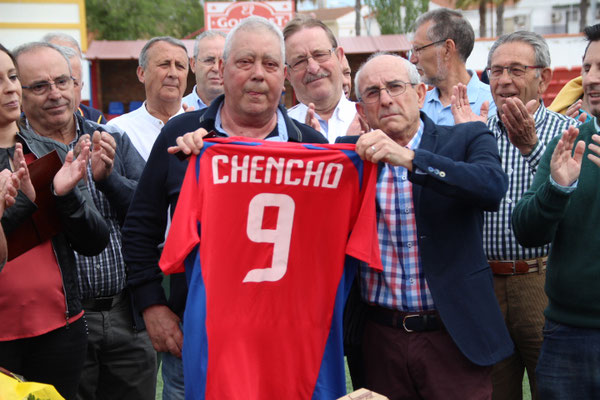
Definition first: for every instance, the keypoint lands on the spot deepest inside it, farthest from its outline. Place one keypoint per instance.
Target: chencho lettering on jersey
(262, 230)
(275, 170)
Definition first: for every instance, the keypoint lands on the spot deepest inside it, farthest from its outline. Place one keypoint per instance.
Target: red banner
(223, 16)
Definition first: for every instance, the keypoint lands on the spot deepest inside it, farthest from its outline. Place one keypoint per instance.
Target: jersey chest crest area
(262, 230)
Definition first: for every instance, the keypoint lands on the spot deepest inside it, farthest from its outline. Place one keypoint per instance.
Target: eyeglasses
(418, 50)
(209, 61)
(515, 71)
(40, 88)
(394, 89)
(320, 56)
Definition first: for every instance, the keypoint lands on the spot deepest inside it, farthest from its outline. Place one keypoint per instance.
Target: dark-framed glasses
(515, 71)
(61, 83)
(394, 89)
(419, 49)
(320, 56)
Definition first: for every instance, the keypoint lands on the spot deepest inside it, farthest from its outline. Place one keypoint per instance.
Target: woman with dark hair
(43, 335)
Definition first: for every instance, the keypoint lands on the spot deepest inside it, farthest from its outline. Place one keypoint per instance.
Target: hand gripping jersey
(262, 230)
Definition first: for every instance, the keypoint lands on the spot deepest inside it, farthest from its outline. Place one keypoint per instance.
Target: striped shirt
(498, 238)
(401, 285)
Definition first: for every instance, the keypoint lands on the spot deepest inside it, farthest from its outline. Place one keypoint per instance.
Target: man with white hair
(253, 72)
(434, 328)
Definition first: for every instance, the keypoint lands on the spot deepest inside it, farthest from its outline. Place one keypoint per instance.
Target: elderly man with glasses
(519, 71)
(314, 62)
(442, 42)
(434, 328)
(119, 361)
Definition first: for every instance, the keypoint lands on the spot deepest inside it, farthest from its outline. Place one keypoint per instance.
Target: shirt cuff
(564, 189)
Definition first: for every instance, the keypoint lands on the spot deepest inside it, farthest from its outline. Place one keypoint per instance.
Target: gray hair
(254, 23)
(62, 37)
(31, 46)
(413, 74)
(540, 47)
(143, 61)
(69, 52)
(449, 24)
(206, 35)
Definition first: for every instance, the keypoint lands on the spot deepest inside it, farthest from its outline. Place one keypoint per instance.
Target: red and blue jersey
(262, 230)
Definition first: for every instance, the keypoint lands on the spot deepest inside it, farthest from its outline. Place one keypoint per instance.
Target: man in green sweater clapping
(561, 208)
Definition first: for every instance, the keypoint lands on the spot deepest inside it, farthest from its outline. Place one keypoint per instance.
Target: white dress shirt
(338, 124)
(141, 127)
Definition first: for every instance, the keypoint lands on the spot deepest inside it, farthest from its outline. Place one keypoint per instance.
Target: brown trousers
(421, 365)
(522, 302)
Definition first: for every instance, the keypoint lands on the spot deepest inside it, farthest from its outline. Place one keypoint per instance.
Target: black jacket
(84, 229)
(158, 189)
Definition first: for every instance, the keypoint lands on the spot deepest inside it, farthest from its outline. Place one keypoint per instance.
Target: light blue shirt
(192, 100)
(282, 133)
(477, 91)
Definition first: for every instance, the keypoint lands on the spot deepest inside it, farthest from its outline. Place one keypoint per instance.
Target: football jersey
(261, 230)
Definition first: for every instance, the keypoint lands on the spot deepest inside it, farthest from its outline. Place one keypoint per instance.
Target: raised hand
(519, 123)
(461, 108)
(104, 148)
(311, 118)
(565, 164)
(573, 111)
(594, 155)
(20, 166)
(187, 108)
(72, 171)
(358, 126)
(9, 185)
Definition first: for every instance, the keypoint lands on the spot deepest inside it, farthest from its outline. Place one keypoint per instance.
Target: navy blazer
(456, 176)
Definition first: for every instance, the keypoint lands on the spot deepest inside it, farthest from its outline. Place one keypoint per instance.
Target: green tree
(143, 19)
(397, 16)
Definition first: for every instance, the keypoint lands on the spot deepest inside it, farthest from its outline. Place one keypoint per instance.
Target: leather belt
(517, 267)
(409, 321)
(101, 303)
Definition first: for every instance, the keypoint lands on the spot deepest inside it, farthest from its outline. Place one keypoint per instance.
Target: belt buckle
(404, 321)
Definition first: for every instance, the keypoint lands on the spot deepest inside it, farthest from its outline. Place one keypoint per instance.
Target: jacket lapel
(428, 142)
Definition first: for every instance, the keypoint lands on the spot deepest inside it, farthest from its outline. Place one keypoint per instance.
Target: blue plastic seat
(116, 107)
(134, 105)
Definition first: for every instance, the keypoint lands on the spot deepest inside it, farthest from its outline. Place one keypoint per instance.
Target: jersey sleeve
(363, 243)
(184, 232)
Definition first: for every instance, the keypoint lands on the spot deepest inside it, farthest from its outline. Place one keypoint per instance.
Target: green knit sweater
(571, 223)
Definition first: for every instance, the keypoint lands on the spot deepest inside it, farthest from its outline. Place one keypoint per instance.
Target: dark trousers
(55, 357)
(421, 365)
(569, 364)
(120, 362)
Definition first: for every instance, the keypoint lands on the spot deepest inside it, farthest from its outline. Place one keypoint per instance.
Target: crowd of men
(485, 204)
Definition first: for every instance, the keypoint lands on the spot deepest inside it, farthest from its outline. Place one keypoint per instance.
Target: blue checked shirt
(498, 238)
(104, 274)
(402, 284)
